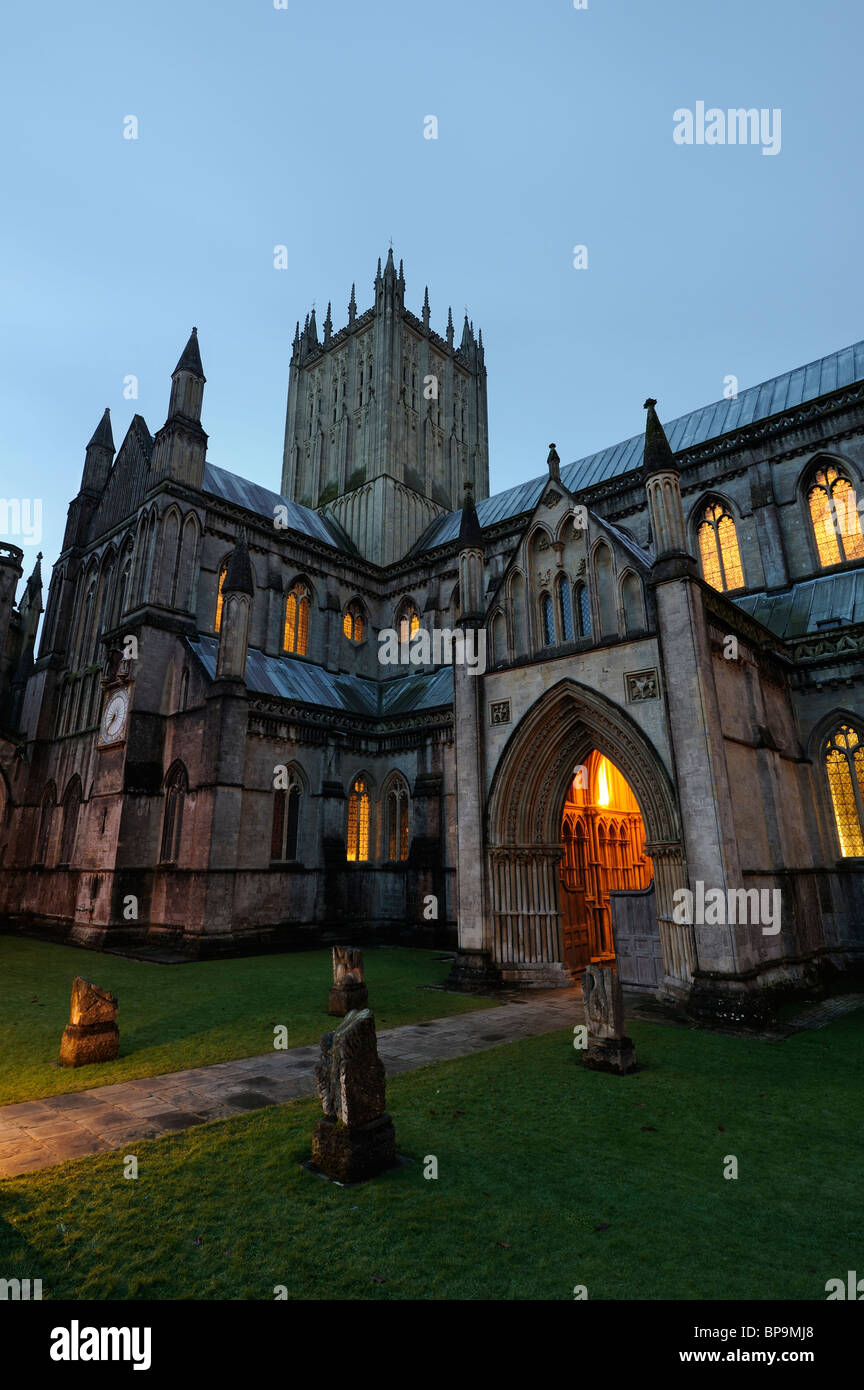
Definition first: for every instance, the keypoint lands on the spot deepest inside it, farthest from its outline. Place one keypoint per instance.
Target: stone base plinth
(617, 1055)
(345, 998)
(85, 1043)
(473, 972)
(352, 1153)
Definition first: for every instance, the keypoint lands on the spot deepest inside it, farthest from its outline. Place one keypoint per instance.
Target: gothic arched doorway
(530, 785)
(603, 839)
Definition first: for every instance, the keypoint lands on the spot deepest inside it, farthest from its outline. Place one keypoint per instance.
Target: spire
(553, 463)
(102, 435)
(467, 340)
(98, 456)
(313, 329)
(450, 328)
(401, 275)
(297, 337)
(390, 269)
(658, 456)
(378, 274)
(426, 310)
(328, 324)
(352, 306)
(190, 358)
(470, 531)
(238, 576)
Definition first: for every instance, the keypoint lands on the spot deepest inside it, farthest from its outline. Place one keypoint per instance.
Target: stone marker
(356, 1138)
(348, 992)
(609, 1049)
(91, 1035)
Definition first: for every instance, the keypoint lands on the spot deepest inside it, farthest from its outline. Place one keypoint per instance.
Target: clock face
(114, 716)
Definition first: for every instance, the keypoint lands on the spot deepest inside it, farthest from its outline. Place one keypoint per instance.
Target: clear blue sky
(304, 127)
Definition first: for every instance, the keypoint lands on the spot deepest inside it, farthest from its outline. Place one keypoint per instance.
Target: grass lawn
(549, 1177)
(177, 1016)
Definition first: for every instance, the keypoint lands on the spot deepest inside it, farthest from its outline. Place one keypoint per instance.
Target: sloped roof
(802, 608)
(243, 493)
(289, 679)
(760, 402)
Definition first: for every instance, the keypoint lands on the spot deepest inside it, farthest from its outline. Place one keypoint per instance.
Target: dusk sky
(304, 127)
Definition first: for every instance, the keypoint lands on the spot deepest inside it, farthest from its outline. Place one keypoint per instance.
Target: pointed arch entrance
(603, 839)
(563, 729)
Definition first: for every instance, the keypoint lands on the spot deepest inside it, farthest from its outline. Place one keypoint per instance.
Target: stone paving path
(36, 1134)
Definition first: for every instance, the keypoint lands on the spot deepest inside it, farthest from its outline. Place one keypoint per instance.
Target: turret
(238, 591)
(662, 484)
(471, 563)
(99, 456)
(180, 447)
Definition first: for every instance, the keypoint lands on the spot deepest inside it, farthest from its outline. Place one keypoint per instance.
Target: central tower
(386, 420)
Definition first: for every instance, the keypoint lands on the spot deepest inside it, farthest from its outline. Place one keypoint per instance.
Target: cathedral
(655, 755)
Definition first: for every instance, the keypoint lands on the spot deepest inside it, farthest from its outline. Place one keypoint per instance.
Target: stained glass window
(398, 837)
(718, 547)
(583, 610)
(222, 574)
(286, 819)
(835, 517)
(408, 622)
(353, 624)
(547, 613)
(844, 763)
(565, 609)
(297, 619)
(358, 822)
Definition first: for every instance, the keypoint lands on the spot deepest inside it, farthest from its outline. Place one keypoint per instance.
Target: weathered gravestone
(349, 991)
(91, 1035)
(356, 1138)
(609, 1049)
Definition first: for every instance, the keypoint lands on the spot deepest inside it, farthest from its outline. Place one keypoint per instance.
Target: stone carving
(609, 1049)
(349, 990)
(499, 712)
(642, 685)
(91, 1035)
(355, 1139)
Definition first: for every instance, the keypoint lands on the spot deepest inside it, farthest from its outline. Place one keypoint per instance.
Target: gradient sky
(303, 127)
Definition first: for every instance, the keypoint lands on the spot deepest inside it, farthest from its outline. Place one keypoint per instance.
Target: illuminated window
(565, 610)
(835, 518)
(844, 763)
(353, 623)
(408, 622)
(583, 610)
(286, 818)
(358, 822)
(547, 617)
(222, 573)
(396, 821)
(718, 547)
(297, 619)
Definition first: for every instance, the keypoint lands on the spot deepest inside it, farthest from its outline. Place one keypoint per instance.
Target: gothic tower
(385, 419)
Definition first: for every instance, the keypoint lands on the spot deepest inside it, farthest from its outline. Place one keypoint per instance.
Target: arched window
(547, 620)
(71, 807)
(354, 622)
(123, 589)
(297, 607)
(605, 580)
(46, 812)
(184, 691)
(718, 547)
(86, 619)
(222, 573)
(844, 763)
(583, 610)
(286, 820)
(565, 610)
(407, 621)
(175, 795)
(499, 638)
(631, 603)
(835, 518)
(358, 822)
(396, 820)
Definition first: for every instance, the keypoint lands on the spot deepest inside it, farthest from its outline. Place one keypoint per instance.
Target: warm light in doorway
(602, 785)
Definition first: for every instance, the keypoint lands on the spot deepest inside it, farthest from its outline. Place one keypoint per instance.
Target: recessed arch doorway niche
(603, 843)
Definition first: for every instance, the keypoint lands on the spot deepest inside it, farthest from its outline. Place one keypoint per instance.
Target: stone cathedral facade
(656, 755)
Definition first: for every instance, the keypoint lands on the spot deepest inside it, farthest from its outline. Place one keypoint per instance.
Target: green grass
(176, 1016)
(549, 1177)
